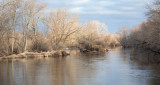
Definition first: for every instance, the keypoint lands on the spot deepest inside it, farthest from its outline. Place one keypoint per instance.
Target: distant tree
(124, 35)
(92, 36)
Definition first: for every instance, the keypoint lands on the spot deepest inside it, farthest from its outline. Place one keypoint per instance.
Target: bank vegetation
(145, 36)
(25, 26)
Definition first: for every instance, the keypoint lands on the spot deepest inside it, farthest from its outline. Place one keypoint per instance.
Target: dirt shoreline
(60, 53)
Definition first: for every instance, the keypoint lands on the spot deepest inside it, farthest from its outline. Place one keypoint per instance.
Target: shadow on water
(110, 68)
(145, 57)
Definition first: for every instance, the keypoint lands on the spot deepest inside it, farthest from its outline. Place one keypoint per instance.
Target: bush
(97, 46)
(40, 44)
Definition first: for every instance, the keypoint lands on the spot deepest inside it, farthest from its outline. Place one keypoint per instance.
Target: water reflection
(111, 68)
(145, 57)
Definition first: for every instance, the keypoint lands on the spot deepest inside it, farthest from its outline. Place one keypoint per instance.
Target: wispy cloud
(122, 10)
(82, 10)
(104, 11)
(97, 6)
(106, 3)
(77, 10)
(128, 8)
(80, 2)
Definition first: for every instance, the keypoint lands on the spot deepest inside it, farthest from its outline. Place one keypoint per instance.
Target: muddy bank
(34, 54)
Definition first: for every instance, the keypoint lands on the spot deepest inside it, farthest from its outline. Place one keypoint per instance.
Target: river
(113, 68)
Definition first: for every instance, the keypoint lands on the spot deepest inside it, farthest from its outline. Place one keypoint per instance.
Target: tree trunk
(26, 38)
(25, 45)
(13, 40)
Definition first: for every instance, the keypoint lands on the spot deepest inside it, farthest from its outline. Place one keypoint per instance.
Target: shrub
(40, 44)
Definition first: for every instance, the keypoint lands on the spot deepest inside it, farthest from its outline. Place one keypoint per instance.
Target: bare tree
(92, 36)
(61, 26)
(12, 7)
(30, 18)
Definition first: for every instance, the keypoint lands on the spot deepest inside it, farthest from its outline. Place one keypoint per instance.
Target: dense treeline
(147, 34)
(25, 26)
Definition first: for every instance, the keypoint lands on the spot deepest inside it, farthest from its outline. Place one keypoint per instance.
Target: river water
(113, 68)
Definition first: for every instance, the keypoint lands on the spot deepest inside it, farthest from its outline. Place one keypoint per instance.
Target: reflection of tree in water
(79, 69)
(145, 56)
(72, 70)
(123, 54)
(155, 76)
(5, 73)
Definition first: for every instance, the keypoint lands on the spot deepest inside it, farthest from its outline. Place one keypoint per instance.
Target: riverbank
(60, 53)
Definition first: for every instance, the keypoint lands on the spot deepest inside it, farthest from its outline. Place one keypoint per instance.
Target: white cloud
(79, 2)
(106, 3)
(114, 12)
(99, 6)
(127, 8)
(78, 10)
(82, 10)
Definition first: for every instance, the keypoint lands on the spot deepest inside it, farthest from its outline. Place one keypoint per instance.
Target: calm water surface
(112, 68)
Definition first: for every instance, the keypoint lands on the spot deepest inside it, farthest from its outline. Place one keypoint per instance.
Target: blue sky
(114, 13)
